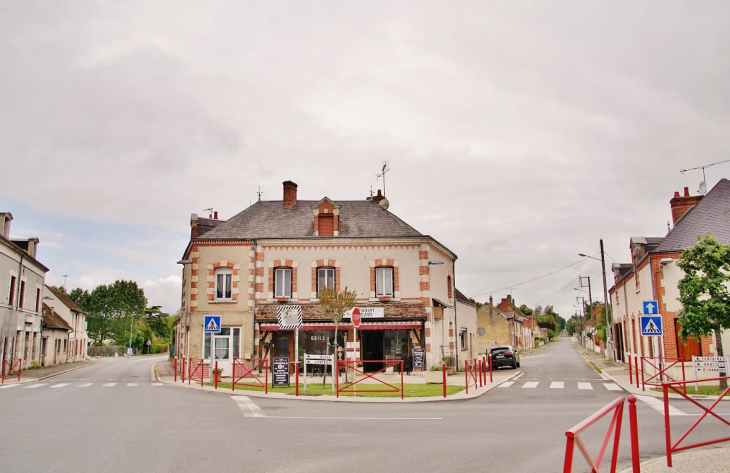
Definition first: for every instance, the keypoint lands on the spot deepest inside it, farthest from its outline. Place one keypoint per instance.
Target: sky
(518, 134)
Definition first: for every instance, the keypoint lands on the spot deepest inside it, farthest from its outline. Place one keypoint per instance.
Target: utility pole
(582, 301)
(609, 323)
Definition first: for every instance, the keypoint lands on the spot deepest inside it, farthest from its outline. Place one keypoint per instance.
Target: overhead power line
(531, 280)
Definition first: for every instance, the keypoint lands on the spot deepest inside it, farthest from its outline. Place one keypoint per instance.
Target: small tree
(333, 305)
(703, 291)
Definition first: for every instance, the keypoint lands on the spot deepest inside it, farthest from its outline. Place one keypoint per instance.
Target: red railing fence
(660, 366)
(250, 372)
(616, 408)
(198, 370)
(12, 368)
(680, 387)
(357, 367)
(470, 373)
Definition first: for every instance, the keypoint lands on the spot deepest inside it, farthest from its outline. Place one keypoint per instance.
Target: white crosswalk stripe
(248, 407)
(613, 387)
(507, 384)
(562, 385)
(108, 385)
(33, 386)
(585, 386)
(530, 385)
(557, 385)
(85, 385)
(62, 385)
(156, 384)
(132, 384)
(6, 386)
(658, 405)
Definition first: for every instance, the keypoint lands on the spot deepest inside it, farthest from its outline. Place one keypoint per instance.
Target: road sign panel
(356, 317)
(212, 324)
(651, 307)
(651, 326)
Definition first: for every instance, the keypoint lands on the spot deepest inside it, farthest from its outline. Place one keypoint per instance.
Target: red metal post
(490, 369)
(481, 369)
(215, 375)
(636, 367)
(175, 368)
(296, 377)
(633, 423)
(631, 376)
(443, 371)
(667, 428)
(266, 367)
(568, 463)
(182, 372)
(337, 378)
(401, 380)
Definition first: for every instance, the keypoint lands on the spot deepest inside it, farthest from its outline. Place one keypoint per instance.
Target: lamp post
(582, 311)
(186, 315)
(609, 323)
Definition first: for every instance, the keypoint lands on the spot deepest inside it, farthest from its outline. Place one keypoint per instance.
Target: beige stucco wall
(497, 328)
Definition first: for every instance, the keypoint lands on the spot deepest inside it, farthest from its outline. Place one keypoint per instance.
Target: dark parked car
(505, 356)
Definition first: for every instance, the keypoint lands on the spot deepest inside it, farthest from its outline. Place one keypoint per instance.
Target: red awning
(406, 324)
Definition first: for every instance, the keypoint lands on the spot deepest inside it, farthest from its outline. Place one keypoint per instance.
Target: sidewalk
(165, 374)
(27, 376)
(690, 461)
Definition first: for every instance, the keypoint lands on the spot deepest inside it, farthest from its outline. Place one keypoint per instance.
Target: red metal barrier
(671, 448)
(243, 371)
(175, 368)
(12, 368)
(573, 435)
(636, 368)
(443, 376)
(631, 377)
(216, 375)
(352, 387)
(198, 370)
(470, 372)
(182, 372)
(660, 366)
(296, 383)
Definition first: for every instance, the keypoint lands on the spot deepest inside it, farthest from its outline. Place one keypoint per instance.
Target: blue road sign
(651, 307)
(651, 326)
(212, 324)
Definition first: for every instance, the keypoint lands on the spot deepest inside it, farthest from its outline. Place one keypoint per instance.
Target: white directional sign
(651, 307)
(212, 324)
(651, 326)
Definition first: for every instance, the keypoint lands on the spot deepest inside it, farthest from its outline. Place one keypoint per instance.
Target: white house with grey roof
(654, 275)
(279, 254)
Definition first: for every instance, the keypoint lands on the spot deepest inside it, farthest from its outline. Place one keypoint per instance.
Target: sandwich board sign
(212, 324)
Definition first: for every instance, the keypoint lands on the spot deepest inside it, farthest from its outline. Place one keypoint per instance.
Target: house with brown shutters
(274, 257)
(55, 343)
(505, 324)
(654, 275)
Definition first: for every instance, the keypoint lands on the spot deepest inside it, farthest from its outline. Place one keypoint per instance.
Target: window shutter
(326, 225)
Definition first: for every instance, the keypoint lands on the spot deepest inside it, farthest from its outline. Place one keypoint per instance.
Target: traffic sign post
(651, 326)
(211, 325)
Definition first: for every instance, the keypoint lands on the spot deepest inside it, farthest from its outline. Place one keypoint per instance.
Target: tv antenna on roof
(210, 212)
(259, 193)
(703, 185)
(382, 173)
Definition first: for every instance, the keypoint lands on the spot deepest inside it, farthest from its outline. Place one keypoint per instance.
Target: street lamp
(186, 315)
(609, 323)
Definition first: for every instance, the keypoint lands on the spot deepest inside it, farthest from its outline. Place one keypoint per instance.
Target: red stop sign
(356, 317)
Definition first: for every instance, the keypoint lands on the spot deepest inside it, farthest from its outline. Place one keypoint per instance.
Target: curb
(40, 378)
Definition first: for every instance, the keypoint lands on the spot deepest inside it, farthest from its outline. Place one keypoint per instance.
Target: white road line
(108, 385)
(612, 387)
(357, 418)
(33, 386)
(62, 385)
(6, 386)
(248, 407)
(658, 405)
(530, 385)
(156, 384)
(585, 386)
(132, 384)
(85, 385)
(506, 384)
(557, 385)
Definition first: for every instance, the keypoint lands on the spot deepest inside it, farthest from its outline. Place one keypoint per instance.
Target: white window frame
(282, 287)
(221, 276)
(384, 284)
(329, 279)
(463, 339)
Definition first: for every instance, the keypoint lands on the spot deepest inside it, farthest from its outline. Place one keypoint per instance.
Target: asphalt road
(112, 416)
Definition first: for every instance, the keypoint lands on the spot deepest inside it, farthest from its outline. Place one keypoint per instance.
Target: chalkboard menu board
(419, 358)
(280, 371)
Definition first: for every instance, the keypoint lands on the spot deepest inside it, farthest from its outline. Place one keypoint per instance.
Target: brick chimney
(680, 204)
(290, 194)
(491, 301)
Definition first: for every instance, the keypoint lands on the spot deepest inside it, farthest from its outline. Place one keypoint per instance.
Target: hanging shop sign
(367, 312)
(289, 317)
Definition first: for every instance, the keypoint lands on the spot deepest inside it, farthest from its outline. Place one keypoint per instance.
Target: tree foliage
(703, 292)
(333, 305)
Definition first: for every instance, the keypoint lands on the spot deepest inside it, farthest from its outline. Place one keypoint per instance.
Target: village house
(55, 343)
(75, 317)
(505, 324)
(653, 275)
(271, 260)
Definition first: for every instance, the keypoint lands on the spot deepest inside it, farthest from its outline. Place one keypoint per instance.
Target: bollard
(633, 421)
(479, 366)
(631, 375)
(491, 380)
(296, 377)
(466, 375)
(443, 371)
(215, 375)
(182, 373)
(175, 369)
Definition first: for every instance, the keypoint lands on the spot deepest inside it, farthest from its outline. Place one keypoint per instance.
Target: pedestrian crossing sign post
(651, 326)
(212, 324)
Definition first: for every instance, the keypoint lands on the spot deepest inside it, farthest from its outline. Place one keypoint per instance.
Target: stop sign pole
(356, 319)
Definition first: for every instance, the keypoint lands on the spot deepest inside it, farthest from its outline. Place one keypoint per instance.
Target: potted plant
(217, 374)
(449, 360)
(434, 375)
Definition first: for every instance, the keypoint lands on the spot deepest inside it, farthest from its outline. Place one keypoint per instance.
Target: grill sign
(281, 371)
(356, 317)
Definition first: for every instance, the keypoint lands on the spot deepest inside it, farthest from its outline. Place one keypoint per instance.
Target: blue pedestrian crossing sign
(212, 324)
(651, 326)
(650, 307)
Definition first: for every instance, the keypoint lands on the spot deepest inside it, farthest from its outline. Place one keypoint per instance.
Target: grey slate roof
(269, 219)
(711, 214)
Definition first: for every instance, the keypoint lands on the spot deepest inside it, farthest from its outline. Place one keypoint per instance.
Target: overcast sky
(518, 133)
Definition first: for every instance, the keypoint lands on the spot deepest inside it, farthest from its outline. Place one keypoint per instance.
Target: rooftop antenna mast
(210, 212)
(703, 185)
(382, 173)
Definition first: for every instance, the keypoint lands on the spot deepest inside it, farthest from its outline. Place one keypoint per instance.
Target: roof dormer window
(326, 214)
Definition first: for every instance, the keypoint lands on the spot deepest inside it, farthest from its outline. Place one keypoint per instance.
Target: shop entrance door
(283, 348)
(372, 348)
(226, 346)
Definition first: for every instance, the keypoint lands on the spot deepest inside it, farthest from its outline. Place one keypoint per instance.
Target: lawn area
(703, 390)
(410, 390)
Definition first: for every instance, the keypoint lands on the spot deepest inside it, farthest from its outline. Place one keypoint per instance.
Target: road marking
(33, 386)
(156, 384)
(613, 387)
(132, 384)
(585, 386)
(530, 385)
(8, 386)
(357, 418)
(107, 385)
(248, 407)
(85, 385)
(658, 405)
(506, 384)
(557, 385)
(62, 385)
